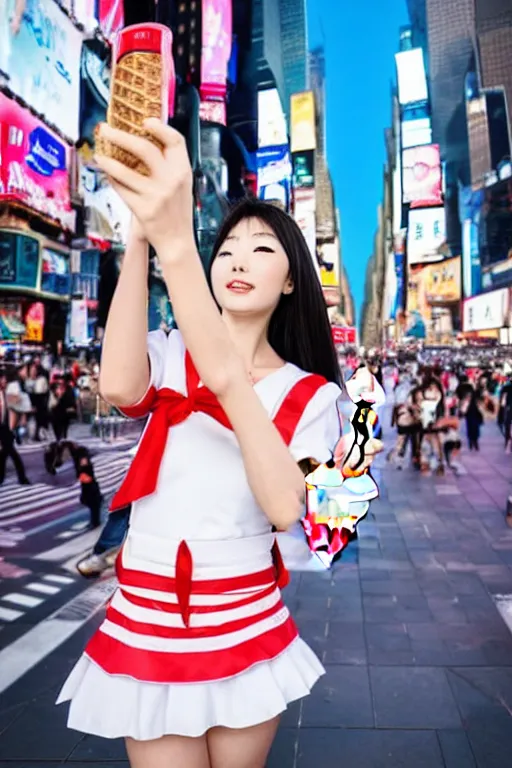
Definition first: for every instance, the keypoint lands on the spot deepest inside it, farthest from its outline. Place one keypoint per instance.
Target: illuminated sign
(422, 176)
(216, 48)
(42, 62)
(416, 133)
(412, 81)
(426, 234)
(486, 312)
(303, 131)
(272, 130)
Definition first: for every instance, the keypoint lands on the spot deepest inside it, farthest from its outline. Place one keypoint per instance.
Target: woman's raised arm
(124, 372)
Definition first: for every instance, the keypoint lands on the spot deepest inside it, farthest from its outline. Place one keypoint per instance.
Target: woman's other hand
(162, 202)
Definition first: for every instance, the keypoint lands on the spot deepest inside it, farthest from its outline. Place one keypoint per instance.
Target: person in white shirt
(7, 445)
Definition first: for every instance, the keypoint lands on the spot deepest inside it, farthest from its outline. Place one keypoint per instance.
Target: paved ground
(418, 656)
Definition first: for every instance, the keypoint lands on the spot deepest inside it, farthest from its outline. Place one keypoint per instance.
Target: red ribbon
(168, 408)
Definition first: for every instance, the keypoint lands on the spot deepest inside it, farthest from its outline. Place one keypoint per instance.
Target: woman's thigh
(241, 747)
(169, 752)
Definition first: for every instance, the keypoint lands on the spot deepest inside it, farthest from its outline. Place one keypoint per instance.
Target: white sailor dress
(196, 634)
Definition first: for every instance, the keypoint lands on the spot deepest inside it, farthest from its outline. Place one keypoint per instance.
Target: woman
(474, 421)
(39, 393)
(198, 656)
(62, 408)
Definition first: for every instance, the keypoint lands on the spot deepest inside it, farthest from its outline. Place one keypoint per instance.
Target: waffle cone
(135, 95)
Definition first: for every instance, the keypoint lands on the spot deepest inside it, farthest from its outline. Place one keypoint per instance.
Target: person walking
(474, 421)
(7, 440)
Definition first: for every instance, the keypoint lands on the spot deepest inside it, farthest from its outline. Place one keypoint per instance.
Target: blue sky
(360, 40)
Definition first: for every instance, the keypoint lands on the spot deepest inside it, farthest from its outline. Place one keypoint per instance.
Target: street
(410, 624)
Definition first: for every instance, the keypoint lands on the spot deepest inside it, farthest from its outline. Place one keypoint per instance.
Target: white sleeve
(157, 344)
(319, 428)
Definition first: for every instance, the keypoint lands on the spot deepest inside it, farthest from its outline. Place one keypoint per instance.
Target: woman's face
(251, 270)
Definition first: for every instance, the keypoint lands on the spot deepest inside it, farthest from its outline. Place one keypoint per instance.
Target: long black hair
(299, 329)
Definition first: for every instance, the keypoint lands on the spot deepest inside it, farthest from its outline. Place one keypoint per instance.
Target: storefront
(488, 315)
(35, 288)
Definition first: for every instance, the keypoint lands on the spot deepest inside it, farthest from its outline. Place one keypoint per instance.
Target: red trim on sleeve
(142, 408)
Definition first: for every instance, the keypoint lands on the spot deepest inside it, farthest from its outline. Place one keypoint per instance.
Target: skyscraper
(294, 46)
(493, 20)
(451, 26)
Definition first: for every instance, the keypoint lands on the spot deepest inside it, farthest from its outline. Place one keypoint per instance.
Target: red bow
(168, 408)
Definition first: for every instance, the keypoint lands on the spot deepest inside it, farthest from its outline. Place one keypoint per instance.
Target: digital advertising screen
(422, 176)
(217, 31)
(416, 133)
(412, 81)
(303, 132)
(19, 260)
(426, 235)
(486, 312)
(274, 175)
(272, 129)
(42, 62)
(34, 164)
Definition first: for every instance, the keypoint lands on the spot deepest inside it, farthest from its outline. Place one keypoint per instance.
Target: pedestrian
(7, 440)
(506, 413)
(90, 493)
(198, 655)
(474, 421)
(108, 545)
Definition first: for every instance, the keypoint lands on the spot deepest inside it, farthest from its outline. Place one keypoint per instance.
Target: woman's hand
(161, 202)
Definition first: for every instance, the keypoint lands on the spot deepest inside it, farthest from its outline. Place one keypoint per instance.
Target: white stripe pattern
(213, 619)
(198, 644)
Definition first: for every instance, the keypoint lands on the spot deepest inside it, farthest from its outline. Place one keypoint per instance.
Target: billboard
(107, 218)
(111, 16)
(422, 177)
(343, 334)
(55, 272)
(442, 281)
(303, 128)
(304, 170)
(19, 260)
(42, 62)
(412, 81)
(274, 175)
(470, 207)
(213, 112)
(84, 12)
(272, 130)
(426, 234)
(216, 48)
(486, 312)
(416, 133)
(305, 216)
(34, 164)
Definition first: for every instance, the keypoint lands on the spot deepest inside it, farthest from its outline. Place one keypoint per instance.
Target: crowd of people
(41, 395)
(434, 405)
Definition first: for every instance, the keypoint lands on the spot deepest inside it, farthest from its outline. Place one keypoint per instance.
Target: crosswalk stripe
(9, 614)
(25, 600)
(36, 644)
(56, 579)
(43, 589)
(109, 473)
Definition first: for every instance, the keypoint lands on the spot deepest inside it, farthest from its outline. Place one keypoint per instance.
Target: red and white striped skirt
(213, 617)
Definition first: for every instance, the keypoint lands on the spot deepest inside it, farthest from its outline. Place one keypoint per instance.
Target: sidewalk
(418, 657)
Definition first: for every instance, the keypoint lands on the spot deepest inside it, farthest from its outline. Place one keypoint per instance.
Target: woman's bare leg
(241, 747)
(169, 752)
